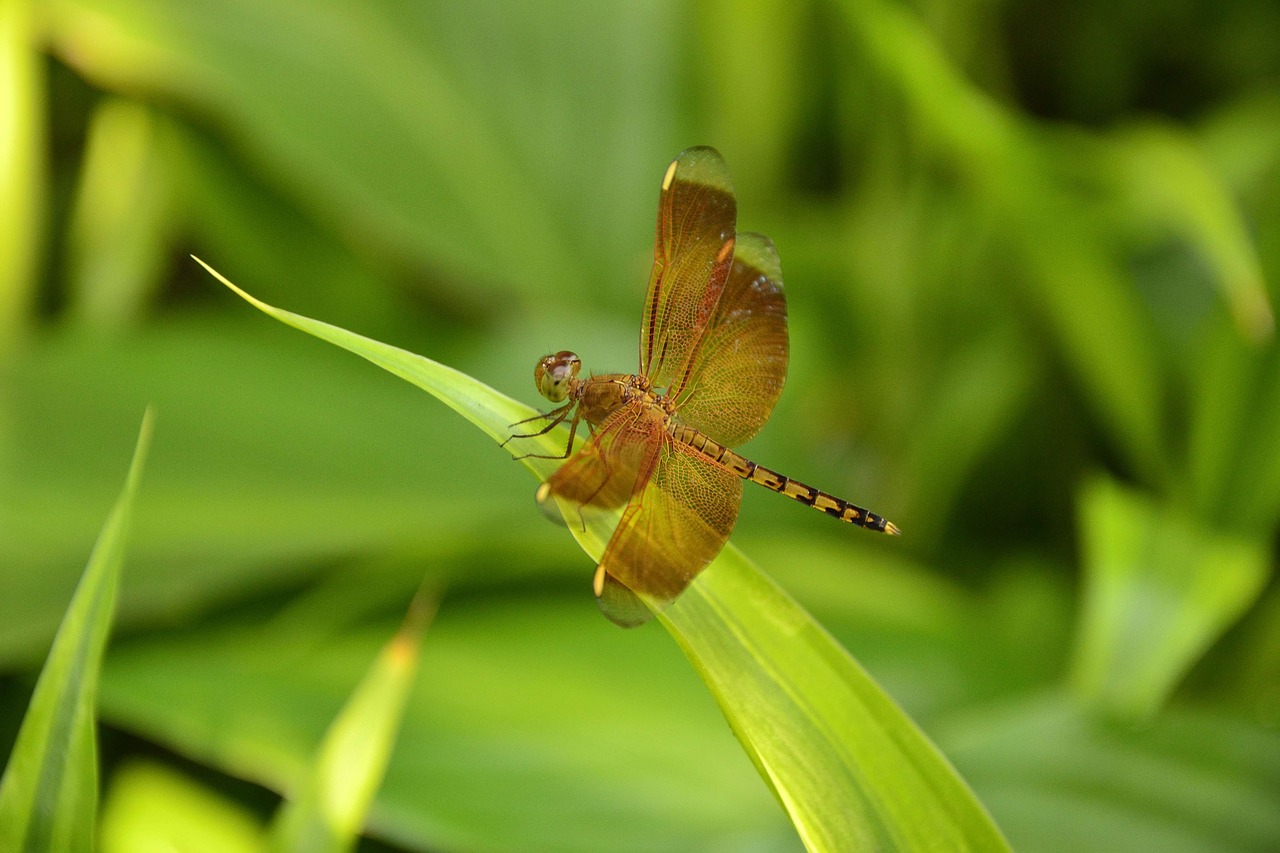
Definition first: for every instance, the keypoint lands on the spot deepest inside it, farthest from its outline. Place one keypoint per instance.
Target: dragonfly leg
(545, 490)
(558, 418)
(554, 418)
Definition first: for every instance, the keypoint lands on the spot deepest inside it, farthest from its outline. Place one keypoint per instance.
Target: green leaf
(416, 153)
(1160, 587)
(845, 762)
(48, 796)
(329, 810)
(149, 806)
(851, 769)
(1224, 389)
(261, 478)
(535, 724)
(122, 219)
(1167, 181)
(1060, 779)
(493, 413)
(1252, 500)
(1068, 270)
(22, 164)
(979, 388)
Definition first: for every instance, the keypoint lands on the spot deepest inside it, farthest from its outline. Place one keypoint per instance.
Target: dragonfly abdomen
(772, 480)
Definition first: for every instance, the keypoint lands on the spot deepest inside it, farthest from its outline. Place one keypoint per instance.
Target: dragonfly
(713, 360)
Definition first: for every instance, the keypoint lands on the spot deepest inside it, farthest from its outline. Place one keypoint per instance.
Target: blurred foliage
(1031, 252)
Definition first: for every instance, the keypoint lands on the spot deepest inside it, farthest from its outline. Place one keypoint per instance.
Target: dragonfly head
(555, 374)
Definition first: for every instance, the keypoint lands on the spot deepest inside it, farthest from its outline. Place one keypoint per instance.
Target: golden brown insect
(713, 358)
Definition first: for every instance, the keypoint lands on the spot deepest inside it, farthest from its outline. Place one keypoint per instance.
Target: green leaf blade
(330, 809)
(48, 795)
(849, 766)
(844, 761)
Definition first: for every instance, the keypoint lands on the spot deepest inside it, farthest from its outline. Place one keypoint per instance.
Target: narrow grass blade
(851, 769)
(492, 412)
(48, 796)
(329, 810)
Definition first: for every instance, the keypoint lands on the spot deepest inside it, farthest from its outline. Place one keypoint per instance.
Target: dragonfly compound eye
(553, 374)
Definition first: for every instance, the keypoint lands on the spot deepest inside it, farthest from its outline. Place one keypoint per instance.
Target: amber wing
(670, 531)
(714, 336)
(740, 366)
(692, 255)
(613, 466)
(626, 462)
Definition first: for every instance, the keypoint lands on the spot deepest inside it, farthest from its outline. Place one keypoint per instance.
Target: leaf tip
(141, 448)
(222, 278)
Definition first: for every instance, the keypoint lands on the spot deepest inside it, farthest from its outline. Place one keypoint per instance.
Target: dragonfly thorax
(556, 374)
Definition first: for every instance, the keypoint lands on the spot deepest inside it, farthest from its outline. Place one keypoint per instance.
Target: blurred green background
(1030, 251)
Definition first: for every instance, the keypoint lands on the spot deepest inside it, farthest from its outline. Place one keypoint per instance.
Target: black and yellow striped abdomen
(772, 480)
